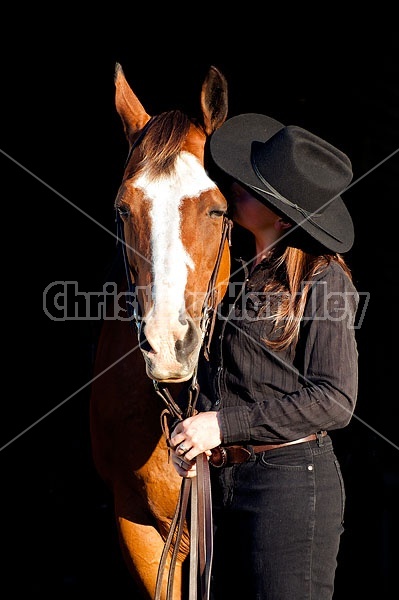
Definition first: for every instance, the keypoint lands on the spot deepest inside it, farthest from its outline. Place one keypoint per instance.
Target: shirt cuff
(234, 424)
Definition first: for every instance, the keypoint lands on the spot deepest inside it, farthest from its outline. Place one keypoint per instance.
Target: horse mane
(163, 142)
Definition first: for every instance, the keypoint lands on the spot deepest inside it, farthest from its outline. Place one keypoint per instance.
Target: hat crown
(305, 169)
(290, 170)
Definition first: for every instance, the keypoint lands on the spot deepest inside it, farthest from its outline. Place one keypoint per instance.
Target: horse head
(173, 219)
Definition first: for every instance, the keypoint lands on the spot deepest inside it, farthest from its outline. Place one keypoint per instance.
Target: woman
(283, 367)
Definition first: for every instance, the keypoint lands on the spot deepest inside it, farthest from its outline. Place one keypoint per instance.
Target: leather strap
(198, 490)
(205, 525)
(175, 531)
(223, 456)
(309, 438)
(201, 532)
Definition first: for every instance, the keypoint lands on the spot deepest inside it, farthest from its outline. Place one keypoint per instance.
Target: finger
(178, 429)
(184, 469)
(182, 465)
(175, 440)
(182, 448)
(183, 462)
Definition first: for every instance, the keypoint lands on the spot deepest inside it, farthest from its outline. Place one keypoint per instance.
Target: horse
(172, 220)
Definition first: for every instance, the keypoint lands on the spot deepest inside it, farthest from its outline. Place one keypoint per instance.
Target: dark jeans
(278, 519)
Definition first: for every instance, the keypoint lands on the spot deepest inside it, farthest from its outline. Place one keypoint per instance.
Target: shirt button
(310, 467)
(217, 402)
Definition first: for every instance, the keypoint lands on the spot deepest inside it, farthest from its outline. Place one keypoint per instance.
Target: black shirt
(266, 396)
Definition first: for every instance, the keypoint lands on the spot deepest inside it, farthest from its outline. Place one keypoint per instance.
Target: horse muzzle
(170, 353)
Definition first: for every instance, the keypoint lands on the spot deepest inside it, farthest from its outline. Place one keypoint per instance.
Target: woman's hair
(290, 281)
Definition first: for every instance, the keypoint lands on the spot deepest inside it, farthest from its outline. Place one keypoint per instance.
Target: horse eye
(215, 214)
(123, 211)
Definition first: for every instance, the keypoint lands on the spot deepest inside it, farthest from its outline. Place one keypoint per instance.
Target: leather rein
(196, 491)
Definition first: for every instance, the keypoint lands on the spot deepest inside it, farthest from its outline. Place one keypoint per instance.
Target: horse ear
(129, 108)
(214, 100)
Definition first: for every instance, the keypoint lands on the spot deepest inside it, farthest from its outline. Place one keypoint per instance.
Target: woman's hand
(190, 438)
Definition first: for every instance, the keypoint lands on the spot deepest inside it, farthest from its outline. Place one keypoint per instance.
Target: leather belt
(224, 456)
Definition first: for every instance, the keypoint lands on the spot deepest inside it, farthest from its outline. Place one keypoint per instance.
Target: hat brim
(231, 148)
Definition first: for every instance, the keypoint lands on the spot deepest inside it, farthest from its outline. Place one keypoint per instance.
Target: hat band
(275, 194)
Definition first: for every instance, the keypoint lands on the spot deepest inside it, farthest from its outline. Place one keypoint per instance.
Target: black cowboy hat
(290, 170)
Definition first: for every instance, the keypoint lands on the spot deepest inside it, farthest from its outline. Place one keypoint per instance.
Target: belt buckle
(218, 457)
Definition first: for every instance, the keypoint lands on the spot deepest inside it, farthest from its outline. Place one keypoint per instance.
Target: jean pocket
(343, 493)
(284, 460)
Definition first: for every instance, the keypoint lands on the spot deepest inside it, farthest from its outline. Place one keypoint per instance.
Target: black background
(61, 160)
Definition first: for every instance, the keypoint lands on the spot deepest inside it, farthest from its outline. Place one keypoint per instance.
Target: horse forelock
(163, 142)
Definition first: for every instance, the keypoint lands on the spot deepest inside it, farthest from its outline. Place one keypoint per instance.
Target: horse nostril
(188, 344)
(180, 349)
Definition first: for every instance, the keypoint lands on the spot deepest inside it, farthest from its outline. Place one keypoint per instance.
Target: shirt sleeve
(326, 358)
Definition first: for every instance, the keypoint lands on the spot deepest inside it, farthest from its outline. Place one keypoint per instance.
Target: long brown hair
(290, 280)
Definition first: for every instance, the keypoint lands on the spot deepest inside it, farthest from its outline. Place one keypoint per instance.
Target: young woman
(283, 366)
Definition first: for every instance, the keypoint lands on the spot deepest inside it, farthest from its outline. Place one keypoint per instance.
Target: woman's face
(248, 211)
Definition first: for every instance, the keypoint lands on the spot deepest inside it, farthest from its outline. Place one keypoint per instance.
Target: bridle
(198, 490)
(208, 315)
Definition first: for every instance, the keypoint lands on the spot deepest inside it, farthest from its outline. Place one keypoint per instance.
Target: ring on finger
(182, 448)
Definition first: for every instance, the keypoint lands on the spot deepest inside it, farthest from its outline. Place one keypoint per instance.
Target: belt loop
(320, 436)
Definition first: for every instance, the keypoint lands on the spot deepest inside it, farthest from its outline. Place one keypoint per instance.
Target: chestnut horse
(173, 221)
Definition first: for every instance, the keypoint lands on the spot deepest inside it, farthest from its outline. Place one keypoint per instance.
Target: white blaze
(171, 260)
